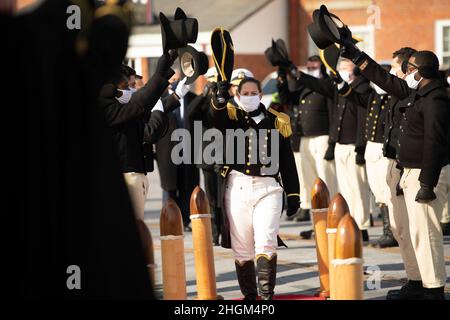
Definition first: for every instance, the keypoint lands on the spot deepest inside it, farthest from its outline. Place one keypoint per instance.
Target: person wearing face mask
(313, 153)
(253, 194)
(136, 121)
(423, 153)
(346, 137)
(376, 103)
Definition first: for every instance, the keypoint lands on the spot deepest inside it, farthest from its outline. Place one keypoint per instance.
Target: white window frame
(370, 29)
(439, 39)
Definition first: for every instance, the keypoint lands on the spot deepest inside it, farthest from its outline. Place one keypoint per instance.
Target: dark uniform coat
(348, 120)
(132, 132)
(424, 128)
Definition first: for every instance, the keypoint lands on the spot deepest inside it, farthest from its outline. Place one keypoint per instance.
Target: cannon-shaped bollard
(348, 264)
(203, 249)
(147, 244)
(337, 209)
(172, 252)
(320, 198)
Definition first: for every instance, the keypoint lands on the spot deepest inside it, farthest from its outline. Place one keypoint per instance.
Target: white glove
(182, 88)
(158, 106)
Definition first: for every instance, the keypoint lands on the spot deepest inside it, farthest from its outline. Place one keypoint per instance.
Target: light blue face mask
(125, 97)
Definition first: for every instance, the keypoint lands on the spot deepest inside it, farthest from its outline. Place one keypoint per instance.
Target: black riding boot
(387, 239)
(267, 275)
(247, 279)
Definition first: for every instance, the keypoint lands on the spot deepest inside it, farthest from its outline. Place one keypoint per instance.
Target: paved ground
(297, 265)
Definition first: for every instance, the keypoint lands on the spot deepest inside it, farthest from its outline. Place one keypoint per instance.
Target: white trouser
(304, 194)
(352, 181)
(398, 218)
(312, 165)
(137, 184)
(253, 206)
(425, 227)
(377, 167)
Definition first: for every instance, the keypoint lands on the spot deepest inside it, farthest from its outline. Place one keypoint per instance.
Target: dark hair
(120, 76)
(249, 79)
(315, 58)
(127, 70)
(428, 63)
(403, 53)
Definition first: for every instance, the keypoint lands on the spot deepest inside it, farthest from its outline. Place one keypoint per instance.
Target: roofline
(262, 6)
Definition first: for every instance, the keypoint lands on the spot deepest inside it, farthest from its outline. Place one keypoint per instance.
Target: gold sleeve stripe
(347, 93)
(214, 106)
(293, 194)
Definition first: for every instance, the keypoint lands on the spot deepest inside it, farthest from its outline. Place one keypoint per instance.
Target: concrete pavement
(297, 264)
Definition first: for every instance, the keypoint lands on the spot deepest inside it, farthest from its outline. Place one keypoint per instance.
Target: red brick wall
(403, 23)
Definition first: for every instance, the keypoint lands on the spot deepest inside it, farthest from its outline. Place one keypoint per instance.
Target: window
(442, 42)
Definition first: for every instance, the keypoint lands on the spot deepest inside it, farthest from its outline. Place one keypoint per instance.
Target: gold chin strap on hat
(282, 122)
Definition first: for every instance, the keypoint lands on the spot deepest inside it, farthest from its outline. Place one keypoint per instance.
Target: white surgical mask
(378, 89)
(345, 75)
(249, 103)
(133, 90)
(448, 80)
(411, 81)
(125, 97)
(314, 73)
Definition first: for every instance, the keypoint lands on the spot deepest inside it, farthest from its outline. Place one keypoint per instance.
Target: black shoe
(303, 215)
(267, 276)
(387, 239)
(247, 279)
(412, 290)
(365, 235)
(306, 234)
(433, 294)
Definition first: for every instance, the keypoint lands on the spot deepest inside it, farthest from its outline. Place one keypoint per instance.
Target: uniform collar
(435, 83)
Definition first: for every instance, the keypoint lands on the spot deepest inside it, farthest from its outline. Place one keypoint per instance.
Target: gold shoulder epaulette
(282, 122)
(232, 111)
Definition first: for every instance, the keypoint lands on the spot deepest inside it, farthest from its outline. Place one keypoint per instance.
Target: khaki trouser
(137, 184)
(377, 166)
(312, 165)
(398, 218)
(352, 181)
(445, 214)
(425, 227)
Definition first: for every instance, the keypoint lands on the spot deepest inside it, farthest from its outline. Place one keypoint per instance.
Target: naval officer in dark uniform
(422, 153)
(313, 117)
(347, 138)
(253, 194)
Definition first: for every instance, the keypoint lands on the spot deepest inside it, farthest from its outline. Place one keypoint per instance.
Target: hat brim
(192, 63)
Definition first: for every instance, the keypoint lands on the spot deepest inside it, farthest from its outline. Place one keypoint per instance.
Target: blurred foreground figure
(78, 234)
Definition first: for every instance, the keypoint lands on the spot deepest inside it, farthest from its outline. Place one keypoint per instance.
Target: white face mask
(448, 80)
(314, 73)
(249, 103)
(345, 75)
(411, 81)
(125, 97)
(378, 89)
(133, 90)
